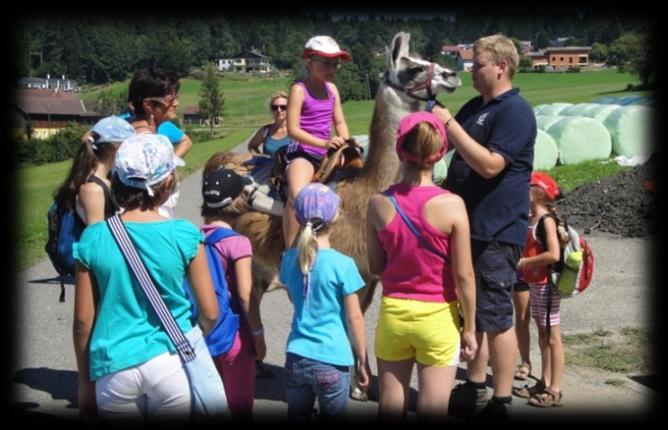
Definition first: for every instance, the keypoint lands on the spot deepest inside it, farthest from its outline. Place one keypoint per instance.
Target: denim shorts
(306, 379)
(295, 150)
(494, 264)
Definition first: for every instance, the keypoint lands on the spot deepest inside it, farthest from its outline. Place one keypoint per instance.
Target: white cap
(324, 46)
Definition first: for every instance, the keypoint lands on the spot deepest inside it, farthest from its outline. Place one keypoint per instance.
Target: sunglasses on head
(167, 101)
(277, 107)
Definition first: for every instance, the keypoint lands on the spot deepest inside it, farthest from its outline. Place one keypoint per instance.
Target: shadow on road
(61, 384)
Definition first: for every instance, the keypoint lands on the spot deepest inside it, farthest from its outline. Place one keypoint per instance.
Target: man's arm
(486, 163)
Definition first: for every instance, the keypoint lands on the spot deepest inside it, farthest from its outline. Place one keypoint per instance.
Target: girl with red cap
(418, 242)
(313, 106)
(545, 237)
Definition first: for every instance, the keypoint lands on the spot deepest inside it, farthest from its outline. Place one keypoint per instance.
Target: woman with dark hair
(153, 99)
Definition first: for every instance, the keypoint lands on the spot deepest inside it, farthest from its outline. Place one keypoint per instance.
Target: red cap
(545, 181)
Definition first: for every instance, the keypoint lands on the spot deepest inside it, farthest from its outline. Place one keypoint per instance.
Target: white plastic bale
(554, 108)
(580, 139)
(578, 109)
(630, 129)
(631, 100)
(607, 100)
(539, 108)
(545, 151)
(543, 122)
(441, 167)
(600, 112)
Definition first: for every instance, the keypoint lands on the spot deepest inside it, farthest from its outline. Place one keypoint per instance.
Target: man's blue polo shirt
(497, 207)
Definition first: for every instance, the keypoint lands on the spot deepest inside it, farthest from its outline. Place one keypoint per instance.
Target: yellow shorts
(425, 331)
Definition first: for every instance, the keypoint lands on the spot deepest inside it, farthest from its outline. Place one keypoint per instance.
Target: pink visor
(407, 124)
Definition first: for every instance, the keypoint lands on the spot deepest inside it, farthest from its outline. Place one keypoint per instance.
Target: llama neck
(382, 164)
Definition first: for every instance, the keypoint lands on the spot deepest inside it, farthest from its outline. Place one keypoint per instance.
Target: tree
(211, 101)
(599, 53)
(541, 41)
(525, 63)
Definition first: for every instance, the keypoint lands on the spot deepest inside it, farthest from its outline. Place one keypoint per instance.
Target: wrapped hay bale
(554, 108)
(545, 152)
(630, 128)
(539, 108)
(600, 112)
(607, 100)
(544, 122)
(580, 139)
(578, 109)
(631, 100)
(441, 167)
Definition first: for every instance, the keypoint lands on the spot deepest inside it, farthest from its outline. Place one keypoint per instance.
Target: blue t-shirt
(127, 331)
(167, 128)
(497, 207)
(319, 324)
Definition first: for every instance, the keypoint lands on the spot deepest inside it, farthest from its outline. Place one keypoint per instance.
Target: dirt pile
(620, 204)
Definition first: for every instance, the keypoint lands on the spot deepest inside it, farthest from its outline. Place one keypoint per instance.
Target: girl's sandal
(546, 399)
(522, 371)
(526, 392)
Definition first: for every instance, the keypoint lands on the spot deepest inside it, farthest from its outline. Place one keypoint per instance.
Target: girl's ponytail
(307, 247)
(562, 233)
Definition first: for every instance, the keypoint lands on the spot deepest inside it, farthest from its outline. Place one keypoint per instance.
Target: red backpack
(573, 272)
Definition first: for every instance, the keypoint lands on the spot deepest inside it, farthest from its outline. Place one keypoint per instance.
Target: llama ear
(399, 49)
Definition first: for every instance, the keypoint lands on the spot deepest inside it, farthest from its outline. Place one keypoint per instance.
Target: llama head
(414, 76)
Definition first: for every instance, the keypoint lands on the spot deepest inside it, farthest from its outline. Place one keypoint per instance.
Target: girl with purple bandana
(313, 106)
(321, 284)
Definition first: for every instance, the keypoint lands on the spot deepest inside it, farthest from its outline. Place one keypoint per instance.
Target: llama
(408, 81)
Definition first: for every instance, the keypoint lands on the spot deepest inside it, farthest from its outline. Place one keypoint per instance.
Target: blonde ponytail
(307, 248)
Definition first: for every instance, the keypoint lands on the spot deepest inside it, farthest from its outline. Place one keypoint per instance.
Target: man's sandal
(527, 392)
(546, 399)
(522, 371)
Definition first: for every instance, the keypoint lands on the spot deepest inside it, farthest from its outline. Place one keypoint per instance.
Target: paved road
(44, 375)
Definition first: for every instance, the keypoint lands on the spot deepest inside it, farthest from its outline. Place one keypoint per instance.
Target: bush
(61, 146)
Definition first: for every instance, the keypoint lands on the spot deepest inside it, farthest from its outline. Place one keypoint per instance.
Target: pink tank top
(316, 118)
(413, 271)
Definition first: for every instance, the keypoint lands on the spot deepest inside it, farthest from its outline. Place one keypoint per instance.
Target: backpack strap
(110, 204)
(138, 269)
(219, 234)
(412, 228)
(540, 229)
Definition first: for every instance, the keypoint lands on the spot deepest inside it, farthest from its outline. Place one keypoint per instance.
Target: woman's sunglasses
(277, 107)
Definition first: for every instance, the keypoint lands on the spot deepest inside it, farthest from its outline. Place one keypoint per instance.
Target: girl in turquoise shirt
(118, 339)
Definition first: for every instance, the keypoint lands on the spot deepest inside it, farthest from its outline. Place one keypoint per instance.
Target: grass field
(246, 109)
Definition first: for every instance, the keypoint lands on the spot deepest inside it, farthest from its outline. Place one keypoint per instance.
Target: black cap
(221, 187)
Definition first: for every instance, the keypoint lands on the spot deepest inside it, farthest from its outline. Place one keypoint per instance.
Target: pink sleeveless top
(316, 118)
(413, 271)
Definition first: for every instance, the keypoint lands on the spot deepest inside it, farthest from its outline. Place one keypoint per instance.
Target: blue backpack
(221, 337)
(65, 228)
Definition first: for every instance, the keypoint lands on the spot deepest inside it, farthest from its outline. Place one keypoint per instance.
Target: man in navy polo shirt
(494, 136)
